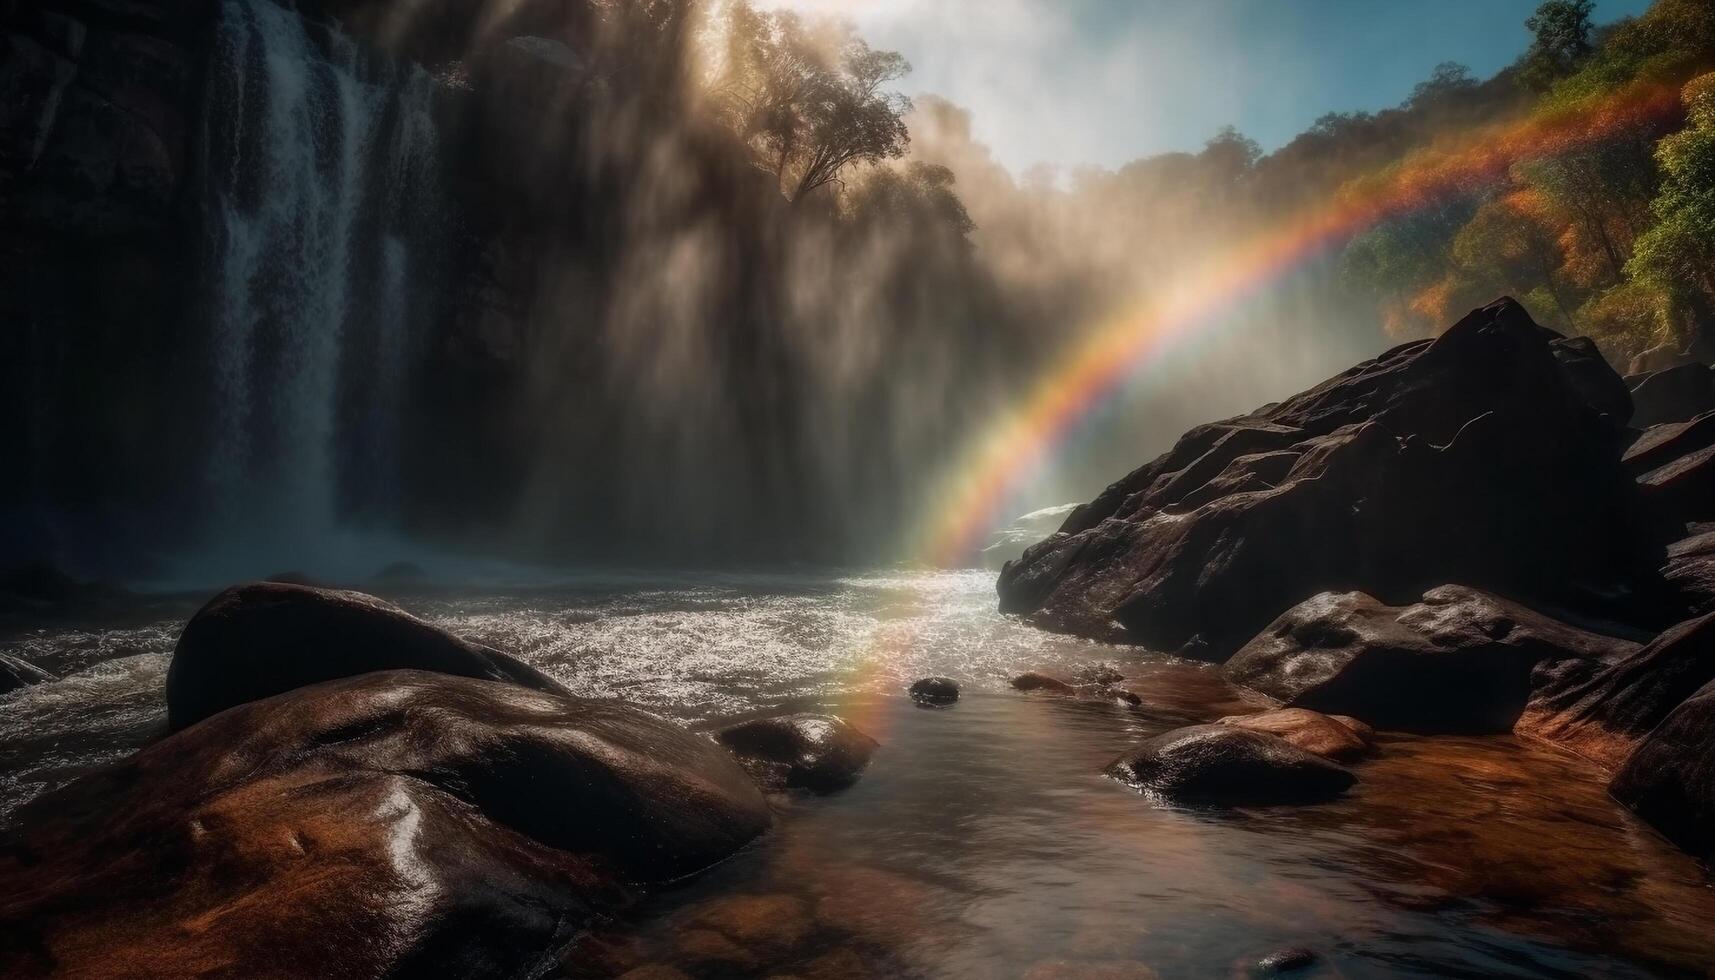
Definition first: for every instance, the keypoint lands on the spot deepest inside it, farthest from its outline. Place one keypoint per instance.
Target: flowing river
(983, 841)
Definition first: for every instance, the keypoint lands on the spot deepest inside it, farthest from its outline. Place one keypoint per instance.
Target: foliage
(1562, 29)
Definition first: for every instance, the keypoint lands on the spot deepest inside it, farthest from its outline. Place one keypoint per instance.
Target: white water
(321, 170)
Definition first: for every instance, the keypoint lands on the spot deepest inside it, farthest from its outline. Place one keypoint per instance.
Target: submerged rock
(935, 691)
(820, 753)
(1480, 455)
(255, 641)
(1459, 661)
(1230, 765)
(1329, 737)
(1602, 710)
(401, 823)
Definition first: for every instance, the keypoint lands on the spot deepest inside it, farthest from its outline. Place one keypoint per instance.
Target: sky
(1073, 82)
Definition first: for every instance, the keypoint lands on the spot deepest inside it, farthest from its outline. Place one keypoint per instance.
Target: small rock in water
(935, 691)
(1033, 681)
(1229, 765)
(820, 753)
(1090, 970)
(16, 672)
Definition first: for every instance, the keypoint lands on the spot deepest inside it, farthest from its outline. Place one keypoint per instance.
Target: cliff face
(97, 116)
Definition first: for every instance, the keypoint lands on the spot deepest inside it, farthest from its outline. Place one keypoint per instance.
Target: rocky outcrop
(1480, 455)
(1670, 780)
(1459, 661)
(1601, 711)
(1673, 395)
(394, 824)
(254, 641)
(1038, 681)
(1337, 737)
(820, 753)
(1229, 765)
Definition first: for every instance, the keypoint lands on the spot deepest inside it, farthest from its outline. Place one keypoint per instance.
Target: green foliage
(1562, 29)
(1676, 257)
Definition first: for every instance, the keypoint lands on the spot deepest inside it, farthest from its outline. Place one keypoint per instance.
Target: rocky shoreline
(1470, 534)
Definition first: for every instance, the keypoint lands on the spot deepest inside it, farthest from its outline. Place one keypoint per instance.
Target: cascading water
(321, 208)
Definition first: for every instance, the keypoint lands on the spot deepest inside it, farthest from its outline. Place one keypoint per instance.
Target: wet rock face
(1476, 454)
(1670, 780)
(1341, 740)
(1459, 661)
(255, 641)
(819, 753)
(1037, 681)
(16, 672)
(1690, 573)
(1602, 711)
(394, 824)
(1229, 765)
(935, 691)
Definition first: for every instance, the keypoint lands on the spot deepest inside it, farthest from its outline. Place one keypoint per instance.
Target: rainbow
(972, 497)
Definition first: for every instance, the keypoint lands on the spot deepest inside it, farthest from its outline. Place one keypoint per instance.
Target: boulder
(402, 824)
(16, 672)
(1312, 731)
(1673, 395)
(1660, 445)
(1670, 780)
(1011, 541)
(1690, 573)
(254, 641)
(1458, 661)
(1229, 765)
(1601, 711)
(1476, 454)
(935, 691)
(1682, 492)
(820, 753)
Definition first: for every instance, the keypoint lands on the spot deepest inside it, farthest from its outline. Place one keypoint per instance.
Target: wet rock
(254, 641)
(820, 753)
(1011, 541)
(1690, 573)
(1670, 780)
(882, 908)
(16, 672)
(1401, 455)
(1589, 374)
(1673, 395)
(1229, 765)
(840, 964)
(1602, 710)
(1311, 731)
(772, 922)
(1662, 444)
(655, 971)
(1458, 661)
(1683, 491)
(711, 950)
(935, 691)
(475, 825)
(1035, 681)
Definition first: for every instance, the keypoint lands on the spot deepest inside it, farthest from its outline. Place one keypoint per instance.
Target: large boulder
(1226, 764)
(1673, 395)
(1601, 711)
(1670, 780)
(820, 753)
(397, 824)
(254, 641)
(1458, 661)
(1476, 457)
(1683, 491)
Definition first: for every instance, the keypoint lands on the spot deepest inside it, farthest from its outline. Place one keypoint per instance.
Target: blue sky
(1070, 82)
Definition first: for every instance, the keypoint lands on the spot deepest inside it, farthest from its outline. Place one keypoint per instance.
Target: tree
(1676, 256)
(1562, 30)
(1448, 81)
(810, 97)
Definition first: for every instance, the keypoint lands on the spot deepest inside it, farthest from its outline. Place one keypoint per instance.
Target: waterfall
(319, 197)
